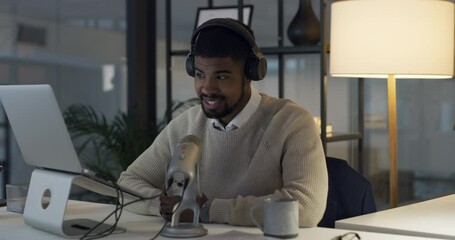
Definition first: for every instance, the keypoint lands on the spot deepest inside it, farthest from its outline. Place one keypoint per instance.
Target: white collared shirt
(243, 115)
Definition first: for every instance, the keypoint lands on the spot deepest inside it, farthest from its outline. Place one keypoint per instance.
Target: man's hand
(168, 203)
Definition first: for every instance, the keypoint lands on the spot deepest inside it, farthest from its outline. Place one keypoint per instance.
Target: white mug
(281, 217)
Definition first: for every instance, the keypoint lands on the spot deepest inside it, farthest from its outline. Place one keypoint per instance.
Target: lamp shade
(405, 38)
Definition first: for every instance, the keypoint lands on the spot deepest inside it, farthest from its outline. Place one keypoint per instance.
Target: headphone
(255, 65)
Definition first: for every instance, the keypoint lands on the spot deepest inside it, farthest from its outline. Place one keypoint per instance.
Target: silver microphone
(181, 170)
(182, 179)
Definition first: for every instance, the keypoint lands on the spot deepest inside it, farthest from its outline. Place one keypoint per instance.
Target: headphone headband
(229, 24)
(256, 66)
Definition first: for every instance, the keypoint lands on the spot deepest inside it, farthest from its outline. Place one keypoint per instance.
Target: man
(254, 146)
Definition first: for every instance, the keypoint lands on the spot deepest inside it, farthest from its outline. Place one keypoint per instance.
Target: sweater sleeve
(146, 175)
(304, 176)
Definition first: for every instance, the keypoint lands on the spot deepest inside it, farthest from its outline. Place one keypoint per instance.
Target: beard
(216, 113)
(225, 109)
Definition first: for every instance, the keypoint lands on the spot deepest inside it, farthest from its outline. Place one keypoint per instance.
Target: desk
(433, 218)
(141, 227)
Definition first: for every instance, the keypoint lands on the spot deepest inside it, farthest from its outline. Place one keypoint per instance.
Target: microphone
(181, 171)
(182, 179)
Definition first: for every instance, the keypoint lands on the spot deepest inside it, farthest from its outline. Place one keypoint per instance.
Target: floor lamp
(392, 39)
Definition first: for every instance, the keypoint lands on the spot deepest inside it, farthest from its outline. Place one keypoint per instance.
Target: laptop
(43, 138)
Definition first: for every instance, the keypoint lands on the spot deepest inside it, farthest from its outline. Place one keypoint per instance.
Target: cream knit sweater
(277, 153)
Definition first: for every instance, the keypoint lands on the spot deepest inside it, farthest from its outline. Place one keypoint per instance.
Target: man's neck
(242, 116)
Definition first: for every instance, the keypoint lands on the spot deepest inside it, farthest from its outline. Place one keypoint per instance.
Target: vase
(304, 28)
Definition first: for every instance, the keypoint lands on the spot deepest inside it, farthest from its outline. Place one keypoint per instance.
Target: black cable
(117, 211)
(165, 223)
(160, 231)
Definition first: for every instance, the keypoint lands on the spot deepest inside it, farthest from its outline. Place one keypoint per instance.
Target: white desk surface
(12, 226)
(433, 218)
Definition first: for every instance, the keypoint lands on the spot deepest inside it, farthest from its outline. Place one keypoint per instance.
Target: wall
(83, 65)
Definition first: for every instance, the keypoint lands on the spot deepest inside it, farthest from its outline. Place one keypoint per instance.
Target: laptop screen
(39, 128)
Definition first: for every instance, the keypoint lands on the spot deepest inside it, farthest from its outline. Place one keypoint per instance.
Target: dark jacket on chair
(350, 193)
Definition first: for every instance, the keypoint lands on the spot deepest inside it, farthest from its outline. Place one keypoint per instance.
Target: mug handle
(252, 208)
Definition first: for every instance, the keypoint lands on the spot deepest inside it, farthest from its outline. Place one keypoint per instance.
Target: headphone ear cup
(261, 68)
(256, 68)
(190, 65)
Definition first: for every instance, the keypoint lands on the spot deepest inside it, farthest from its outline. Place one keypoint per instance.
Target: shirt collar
(244, 114)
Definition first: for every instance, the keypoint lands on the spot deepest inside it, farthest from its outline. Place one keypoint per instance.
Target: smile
(212, 103)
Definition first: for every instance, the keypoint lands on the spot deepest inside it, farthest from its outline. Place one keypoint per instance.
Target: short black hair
(218, 41)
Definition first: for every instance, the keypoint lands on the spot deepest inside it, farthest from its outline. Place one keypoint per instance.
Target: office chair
(350, 193)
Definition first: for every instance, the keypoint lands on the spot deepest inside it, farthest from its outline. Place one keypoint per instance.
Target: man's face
(221, 85)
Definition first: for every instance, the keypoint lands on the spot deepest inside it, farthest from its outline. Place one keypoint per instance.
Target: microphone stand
(176, 229)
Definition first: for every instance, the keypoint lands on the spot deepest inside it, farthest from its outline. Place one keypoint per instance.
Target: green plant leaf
(107, 147)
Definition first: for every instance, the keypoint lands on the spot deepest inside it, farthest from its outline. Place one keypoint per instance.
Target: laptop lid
(39, 128)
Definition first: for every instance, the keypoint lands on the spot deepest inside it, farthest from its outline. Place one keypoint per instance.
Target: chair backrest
(350, 193)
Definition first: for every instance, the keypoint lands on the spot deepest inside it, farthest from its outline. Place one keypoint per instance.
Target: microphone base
(184, 230)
